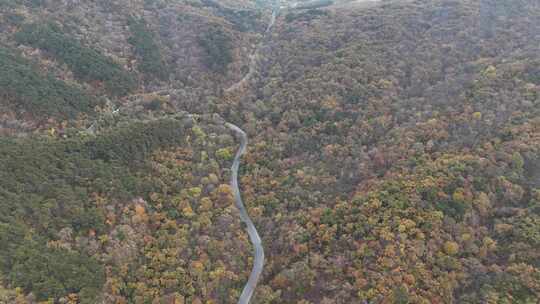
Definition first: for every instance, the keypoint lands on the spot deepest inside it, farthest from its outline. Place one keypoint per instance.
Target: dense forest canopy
(26, 90)
(393, 156)
(86, 63)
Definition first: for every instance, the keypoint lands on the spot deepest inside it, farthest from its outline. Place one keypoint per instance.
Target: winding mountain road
(254, 58)
(254, 237)
(252, 231)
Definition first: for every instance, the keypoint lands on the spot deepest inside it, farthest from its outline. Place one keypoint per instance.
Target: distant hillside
(115, 49)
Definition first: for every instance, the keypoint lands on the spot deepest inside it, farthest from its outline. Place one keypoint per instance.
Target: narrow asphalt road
(252, 231)
(254, 237)
(254, 58)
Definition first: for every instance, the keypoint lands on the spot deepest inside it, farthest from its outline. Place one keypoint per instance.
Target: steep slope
(393, 157)
(108, 183)
(389, 153)
(139, 212)
(117, 49)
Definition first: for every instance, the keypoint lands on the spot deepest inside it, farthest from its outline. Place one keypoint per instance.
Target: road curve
(254, 57)
(254, 237)
(252, 231)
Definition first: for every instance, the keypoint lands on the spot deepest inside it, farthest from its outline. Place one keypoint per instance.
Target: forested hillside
(393, 157)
